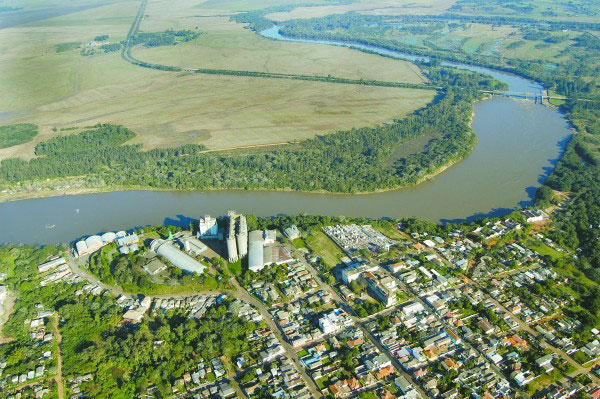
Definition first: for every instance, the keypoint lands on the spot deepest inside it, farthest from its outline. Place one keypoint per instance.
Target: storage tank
(176, 257)
(231, 248)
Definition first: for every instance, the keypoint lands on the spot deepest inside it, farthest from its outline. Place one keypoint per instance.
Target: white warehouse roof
(176, 257)
(94, 242)
(108, 237)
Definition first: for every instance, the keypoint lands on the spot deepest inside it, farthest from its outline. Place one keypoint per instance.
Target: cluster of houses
(280, 376)
(39, 353)
(56, 270)
(208, 380)
(297, 283)
(370, 369)
(295, 319)
(74, 385)
(498, 229)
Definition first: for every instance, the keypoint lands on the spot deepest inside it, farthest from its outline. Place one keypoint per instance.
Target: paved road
(231, 372)
(291, 354)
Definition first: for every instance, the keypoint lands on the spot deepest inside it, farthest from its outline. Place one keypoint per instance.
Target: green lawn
(325, 248)
(299, 243)
(544, 250)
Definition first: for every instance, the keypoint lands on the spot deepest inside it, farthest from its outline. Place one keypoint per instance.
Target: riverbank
(98, 190)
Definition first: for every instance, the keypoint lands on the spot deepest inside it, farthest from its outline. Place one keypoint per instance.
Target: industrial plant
(261, 247)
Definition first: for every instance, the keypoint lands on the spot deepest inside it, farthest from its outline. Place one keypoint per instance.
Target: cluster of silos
(242, 236)
(237, 237)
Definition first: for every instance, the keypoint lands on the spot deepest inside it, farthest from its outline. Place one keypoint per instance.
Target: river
(519, 143)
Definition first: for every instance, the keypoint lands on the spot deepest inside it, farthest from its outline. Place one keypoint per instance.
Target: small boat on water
(50, 226)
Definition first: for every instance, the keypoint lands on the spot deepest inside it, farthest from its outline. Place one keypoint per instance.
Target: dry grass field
(395, 7)
(227, 45)
(65, 89)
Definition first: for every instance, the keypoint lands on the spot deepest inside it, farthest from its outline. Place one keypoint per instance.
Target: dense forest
(358, 160)
(125, 361)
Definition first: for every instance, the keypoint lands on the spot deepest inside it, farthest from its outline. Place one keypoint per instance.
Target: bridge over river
(543, 97)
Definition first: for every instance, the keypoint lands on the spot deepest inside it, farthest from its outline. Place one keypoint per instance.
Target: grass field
(64, 89)
(325, 248)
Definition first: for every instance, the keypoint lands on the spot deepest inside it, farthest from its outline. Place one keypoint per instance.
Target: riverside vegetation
(359, 160)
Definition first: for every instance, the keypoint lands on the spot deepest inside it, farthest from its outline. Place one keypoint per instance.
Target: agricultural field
(227, 45)
(57, 88)
(401, 7)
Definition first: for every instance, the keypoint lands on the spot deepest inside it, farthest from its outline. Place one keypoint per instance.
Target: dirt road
(58, 378)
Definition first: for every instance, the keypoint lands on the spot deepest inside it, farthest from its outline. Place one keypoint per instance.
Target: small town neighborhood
(403, 314)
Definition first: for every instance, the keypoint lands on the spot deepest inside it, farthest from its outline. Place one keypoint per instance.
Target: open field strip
(400, 7)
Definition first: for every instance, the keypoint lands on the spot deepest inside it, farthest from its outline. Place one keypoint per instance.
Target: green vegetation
(368, 308)
(124, 361)
(62, 47)
(166, 38)
(324, 248)
(105, 136)
(12, 135)
(299, 243)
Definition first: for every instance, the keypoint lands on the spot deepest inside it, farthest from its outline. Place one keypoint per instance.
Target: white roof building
(292, 232)
(176, 257)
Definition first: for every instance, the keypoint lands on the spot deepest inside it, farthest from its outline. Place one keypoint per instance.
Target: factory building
(128, 240)
(264, 250)
(51, 264)
(270, 236)
(109, 237)
(255, 251)
(208, 227)
(179, 259)
(292, 232)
